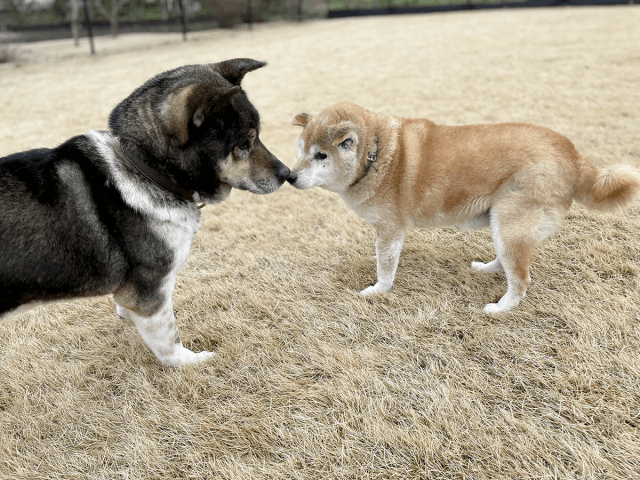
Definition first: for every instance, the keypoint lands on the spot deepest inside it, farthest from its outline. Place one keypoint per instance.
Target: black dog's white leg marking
(18, 311)
(123, 312)
(388, 248)
(160, 333)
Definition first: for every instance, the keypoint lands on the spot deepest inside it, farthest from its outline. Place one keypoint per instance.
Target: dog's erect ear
(302, 119)
(345, 136)
(234, 70)
(212, 104)
(194, 103)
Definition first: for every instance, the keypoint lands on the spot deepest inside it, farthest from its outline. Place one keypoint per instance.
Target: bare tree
(75, 9)
(164, 13)
(112, 13)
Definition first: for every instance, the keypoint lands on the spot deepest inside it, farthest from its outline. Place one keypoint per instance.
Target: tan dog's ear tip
(302, 119)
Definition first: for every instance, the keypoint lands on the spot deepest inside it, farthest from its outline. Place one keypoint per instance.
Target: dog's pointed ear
(344, 135)
(302, 119)
(214, 104)
(234, 70)
(193, 104)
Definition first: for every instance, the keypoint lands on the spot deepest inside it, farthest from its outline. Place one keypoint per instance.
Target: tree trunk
(164, 14)
(113, 21)
(111, 15)
(75, 7)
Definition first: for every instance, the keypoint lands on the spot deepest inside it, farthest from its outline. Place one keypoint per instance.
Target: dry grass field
(311, 380)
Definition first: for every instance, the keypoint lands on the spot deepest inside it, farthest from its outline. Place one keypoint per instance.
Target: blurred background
(35, 30)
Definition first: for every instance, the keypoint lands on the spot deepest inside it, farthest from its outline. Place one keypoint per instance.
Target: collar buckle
(372, 156)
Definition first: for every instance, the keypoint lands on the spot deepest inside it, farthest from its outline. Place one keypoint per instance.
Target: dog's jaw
(221, 194)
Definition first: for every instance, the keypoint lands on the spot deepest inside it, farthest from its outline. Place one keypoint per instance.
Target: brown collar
(372, 156)
(157, 177)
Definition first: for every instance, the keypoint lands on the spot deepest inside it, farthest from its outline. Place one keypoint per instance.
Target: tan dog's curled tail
(607, 189)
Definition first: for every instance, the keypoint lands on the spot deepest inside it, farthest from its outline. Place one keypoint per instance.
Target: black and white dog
(115, 212)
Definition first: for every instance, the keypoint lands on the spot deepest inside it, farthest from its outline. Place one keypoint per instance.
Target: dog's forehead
(318, 130)
(306, 145)
(248, 114)
(307, 141)
(316, 133)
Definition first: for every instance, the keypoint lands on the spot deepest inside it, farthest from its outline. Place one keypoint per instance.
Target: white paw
(500, 307)
(492, 308)
(186, 357)
(369, 290)
(203, 356)
(506, 303)
(377, 288)
(488, 267)
(123, 312)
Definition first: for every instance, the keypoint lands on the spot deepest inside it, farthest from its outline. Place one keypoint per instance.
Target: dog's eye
(320, 156)
(245, 146)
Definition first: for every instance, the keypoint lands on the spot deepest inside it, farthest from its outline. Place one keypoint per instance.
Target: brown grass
(312, 381)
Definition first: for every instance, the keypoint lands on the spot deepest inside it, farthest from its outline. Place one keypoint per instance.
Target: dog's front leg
(388, 248)
(160, 333)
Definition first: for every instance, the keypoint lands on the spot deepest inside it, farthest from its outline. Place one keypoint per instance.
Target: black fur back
(65, 230)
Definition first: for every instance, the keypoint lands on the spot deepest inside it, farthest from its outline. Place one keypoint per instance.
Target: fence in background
(35, 30)
(391, 7)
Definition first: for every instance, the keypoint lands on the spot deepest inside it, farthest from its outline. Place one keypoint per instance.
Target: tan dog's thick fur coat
(397, 173)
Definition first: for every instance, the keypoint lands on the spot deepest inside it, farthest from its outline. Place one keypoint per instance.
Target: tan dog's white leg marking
(482, 221)
(515, 237)
(388, 248)
(515, 267)
(160, 333)
(493, 266)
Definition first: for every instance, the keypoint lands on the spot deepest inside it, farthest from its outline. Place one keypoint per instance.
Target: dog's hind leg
(160, 333)
(514, 257)
(516, 233)
(482, 220)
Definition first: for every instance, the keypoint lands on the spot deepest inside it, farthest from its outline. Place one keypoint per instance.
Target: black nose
(292, 178)
(283, 171)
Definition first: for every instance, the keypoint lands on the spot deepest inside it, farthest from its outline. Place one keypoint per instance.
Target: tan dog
(398, 173)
